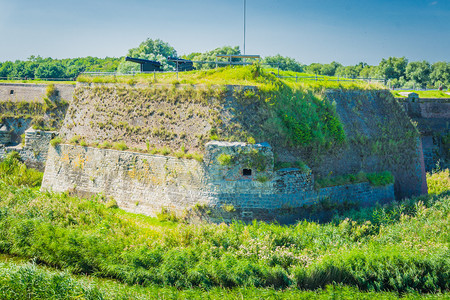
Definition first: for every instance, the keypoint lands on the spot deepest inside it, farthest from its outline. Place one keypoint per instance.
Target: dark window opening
(11, 92)
(247, 172)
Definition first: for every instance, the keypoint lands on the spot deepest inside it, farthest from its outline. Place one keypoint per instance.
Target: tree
(211, 56)
(151, 50)
(52, 69)
(440, 74)
(419, 72)
(393, 67)
(313, 68)
(284, 63)
(329, 69)
(6, 69)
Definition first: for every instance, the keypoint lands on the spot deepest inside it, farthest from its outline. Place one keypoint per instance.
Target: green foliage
(120, 146)
(228, 208)
(211, 56)
(438, 182)
(418, 72)
(225, 159)
(380, 179)
(167, 215)
(112, 203)
(393, 67)
(30, 282)
(149, 49)
(14, 172)
(38, 67)
(56, 141)
(375, 179)
(403, 247)
(75, 139)
(284, 63)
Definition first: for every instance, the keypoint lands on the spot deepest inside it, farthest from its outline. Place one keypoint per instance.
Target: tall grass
(30, 281)
(438, 182)
(406, 251)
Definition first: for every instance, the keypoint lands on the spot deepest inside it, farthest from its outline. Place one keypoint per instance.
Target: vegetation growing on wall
(285, 115)
(45, 116)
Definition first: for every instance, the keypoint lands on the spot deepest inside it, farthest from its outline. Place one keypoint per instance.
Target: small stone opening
(11, 92)
(247, 172)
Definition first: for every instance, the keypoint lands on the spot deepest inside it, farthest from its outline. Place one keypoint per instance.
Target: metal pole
(244, 25)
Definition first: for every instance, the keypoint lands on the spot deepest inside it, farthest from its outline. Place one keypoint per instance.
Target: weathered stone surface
(146, 184)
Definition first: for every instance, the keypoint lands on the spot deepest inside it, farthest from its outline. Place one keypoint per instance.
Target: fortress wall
(34, 151)
(380, 137)
(140, 183)
(433, 121)
(143, 183)
(33, 92)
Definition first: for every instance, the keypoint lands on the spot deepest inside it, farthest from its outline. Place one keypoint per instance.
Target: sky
(323, 31)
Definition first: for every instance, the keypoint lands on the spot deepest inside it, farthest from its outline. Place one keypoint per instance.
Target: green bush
(56, 141)
(120, 146)
(438, 182)
(224, 159)
(14, 172)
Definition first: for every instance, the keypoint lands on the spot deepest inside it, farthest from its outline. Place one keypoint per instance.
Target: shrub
(438, 182)
(120, 146)
(112, 203)
(380, 179)
(106, 145)
(75, 139)
(56, 141)
(225, 159)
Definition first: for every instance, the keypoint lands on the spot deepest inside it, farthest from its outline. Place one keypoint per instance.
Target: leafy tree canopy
(151, 50)
(284, 63)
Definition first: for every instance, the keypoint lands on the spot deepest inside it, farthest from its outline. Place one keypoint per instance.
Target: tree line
(397, 71)
(47, 68)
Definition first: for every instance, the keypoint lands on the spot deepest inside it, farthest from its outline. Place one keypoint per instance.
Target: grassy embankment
(423, 94)
(227, 76)
(297, 114)
(402, 248)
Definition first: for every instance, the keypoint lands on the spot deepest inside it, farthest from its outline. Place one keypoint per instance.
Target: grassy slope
(423, 94)
(280, 112)
(24, 280)
(403, 248)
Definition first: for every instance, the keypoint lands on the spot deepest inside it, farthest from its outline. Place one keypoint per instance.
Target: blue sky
(309, 31)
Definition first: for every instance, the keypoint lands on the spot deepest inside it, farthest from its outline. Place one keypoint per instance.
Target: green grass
(402, 247)
(438, 182)
(375, 179)
(236, 75)
(23, 280)
(423, 94)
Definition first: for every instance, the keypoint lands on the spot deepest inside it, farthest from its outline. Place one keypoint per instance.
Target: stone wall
(380, 137)
(433, 121)
(144, 183)
(140, 183)
(34, 151)
(33, 92)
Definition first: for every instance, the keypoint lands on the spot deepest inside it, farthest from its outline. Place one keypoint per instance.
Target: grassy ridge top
(249, 76)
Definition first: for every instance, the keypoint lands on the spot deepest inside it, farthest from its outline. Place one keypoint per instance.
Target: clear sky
(308, 30)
